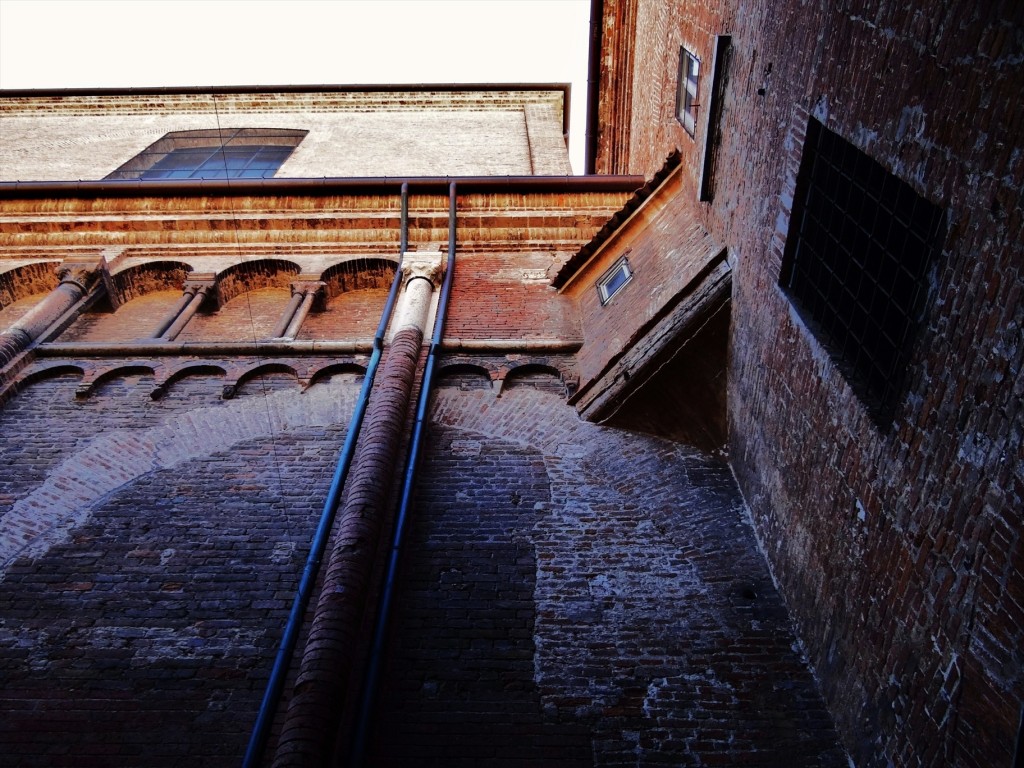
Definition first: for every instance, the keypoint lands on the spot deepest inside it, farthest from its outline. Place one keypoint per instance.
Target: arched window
(236, 153)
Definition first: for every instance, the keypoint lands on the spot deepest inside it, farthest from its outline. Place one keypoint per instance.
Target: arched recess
(537, 376)
(264, 371)
(112, 375)
(464, 376)
(251, 297)
(133, 282)
(44, 372)
(23, 287)
(356, 291)
(197, 369)
(143, 295)
(335, 369)
(253, 275)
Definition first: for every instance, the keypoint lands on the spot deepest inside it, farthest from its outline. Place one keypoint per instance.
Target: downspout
(272, 694)
(408, 485)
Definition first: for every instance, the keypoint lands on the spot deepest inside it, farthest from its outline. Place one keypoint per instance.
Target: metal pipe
(272, 694)
(287, 315)
(382, 185)
(364, 714)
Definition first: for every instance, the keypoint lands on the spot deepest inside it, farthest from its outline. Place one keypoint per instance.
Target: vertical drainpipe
(369, 694)
(326, 670)
(290, 636)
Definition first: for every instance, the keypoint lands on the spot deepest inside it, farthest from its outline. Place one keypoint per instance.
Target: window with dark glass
(860, 246)
(688, 90)
(242, 153)
(614, 280)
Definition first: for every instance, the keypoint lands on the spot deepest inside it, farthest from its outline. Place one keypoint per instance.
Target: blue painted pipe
(408, 485)
(272, 694)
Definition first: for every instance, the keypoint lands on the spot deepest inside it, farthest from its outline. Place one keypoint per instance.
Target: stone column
(326, 668)
(197, 291)
(76, 277)
(309, 293)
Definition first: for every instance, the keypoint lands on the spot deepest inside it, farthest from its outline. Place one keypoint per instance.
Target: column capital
(303, 287)
(80, 271)
(425, 264)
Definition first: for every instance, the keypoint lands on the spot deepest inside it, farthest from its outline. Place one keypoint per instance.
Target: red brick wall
(350, 315)
(508, 295)
(897, 549)
(249, 316)
(138, 319)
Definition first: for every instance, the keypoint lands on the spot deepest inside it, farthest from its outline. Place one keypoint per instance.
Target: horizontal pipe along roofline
(322, 186)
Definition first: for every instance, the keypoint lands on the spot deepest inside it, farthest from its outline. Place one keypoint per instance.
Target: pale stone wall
(350, 134)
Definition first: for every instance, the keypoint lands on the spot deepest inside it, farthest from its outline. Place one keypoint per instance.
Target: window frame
(688, 90)
(620, 267)
(211, 142)
(857, 266)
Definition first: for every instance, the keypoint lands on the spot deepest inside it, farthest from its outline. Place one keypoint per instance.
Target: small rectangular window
(688, 90)
(614, 280)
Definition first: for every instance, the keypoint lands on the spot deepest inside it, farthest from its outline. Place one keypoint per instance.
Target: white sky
(126, 43)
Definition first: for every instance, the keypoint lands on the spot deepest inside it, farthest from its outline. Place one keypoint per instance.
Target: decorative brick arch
(118, 457)
(253, 275)
(27, 280)
(325, 373)
(464, 376)
(138, 280)
(538, 375)
(47, 371)
(354, 274)
(231, 388)
(185, 371)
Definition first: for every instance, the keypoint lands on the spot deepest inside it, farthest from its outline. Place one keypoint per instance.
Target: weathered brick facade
(896, 547)
(656, 529)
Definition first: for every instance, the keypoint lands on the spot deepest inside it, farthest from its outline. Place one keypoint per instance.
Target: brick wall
(137, 319)
(897, 548)
(145, 620)
(573, 595)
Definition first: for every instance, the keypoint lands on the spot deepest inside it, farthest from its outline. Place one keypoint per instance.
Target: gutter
(337, 185)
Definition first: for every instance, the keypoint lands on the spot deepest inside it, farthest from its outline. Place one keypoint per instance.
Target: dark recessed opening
(860, 245)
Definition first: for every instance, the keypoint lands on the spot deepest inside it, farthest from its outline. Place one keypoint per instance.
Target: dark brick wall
(898, 549)
(140, 629)
(573, 595)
